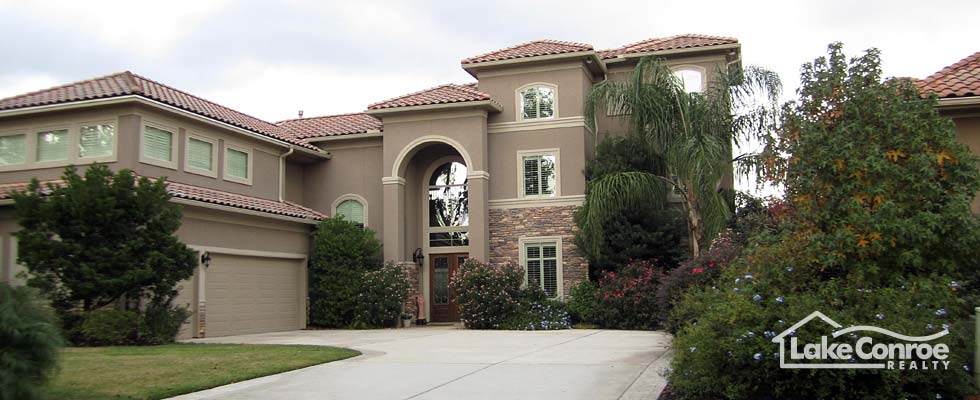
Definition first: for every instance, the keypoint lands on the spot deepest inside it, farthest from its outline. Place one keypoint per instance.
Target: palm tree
(693, 135)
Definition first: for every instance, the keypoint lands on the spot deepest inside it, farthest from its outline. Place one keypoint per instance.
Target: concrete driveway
(452, 363)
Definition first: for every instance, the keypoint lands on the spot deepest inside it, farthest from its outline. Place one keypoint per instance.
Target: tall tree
(88, 241)
(693, 133)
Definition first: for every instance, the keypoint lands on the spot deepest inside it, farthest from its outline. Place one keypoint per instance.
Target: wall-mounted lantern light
(418, 257)
(206, 259)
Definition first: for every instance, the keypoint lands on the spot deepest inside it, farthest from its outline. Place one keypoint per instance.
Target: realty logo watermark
(861, 352)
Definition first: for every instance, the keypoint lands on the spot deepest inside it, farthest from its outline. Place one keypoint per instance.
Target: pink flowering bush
(381, 296)
(626, 299)
(702, 271)
(487, 296)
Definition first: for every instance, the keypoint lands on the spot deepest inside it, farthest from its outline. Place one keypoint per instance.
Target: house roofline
(142, 99)
(548, 57)
(628, 56)
(488, 105)
(361, 135)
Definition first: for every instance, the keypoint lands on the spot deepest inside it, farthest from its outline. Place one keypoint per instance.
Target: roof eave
(629, 56)
(135, 98)
(472, 67)
(488, 105)
(357, 135)
(959, 102)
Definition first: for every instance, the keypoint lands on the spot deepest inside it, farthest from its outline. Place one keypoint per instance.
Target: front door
(441, 267)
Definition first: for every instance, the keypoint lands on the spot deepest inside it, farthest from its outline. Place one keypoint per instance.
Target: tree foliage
(877, 231)
(29, 342)
(341, 253)
(692, 133)
(89, 241)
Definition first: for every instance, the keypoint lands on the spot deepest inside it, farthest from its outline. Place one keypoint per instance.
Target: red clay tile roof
(530, 49)
(958, 80)
(685, 41)
(128, 83)
(444, 94)
(205, 195)
(330, 125)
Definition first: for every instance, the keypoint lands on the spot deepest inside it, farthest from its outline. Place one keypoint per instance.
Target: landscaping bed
(156, 372)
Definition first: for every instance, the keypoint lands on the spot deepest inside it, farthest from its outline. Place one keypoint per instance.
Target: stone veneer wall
(508, 226)
(415, 288)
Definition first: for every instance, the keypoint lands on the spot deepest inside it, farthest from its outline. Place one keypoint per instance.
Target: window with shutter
(537, 102)
(13, 150)
(200, 155)
(96, 141)
(237, 165)
(539, 175)
(52, 145)
(158, 144)
(541, 261)
(352, 211)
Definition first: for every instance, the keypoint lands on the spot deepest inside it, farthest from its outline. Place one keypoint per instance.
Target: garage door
(252, 295)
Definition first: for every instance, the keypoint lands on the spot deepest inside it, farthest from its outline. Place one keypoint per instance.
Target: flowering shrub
(699, 272)
(487, 296)
(382, 294)
(626, 299)
(535, 312)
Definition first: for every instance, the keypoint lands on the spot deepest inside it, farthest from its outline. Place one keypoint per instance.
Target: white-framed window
(52, 146)
(238, 164)
(537, 101)
(539, 173)
(351, 209)
(158, 145)
(691, 77)
(201, 155)
(542, 261)
(97, 141)
(447, 211)
(13, 149)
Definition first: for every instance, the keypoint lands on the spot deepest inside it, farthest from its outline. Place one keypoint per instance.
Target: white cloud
(147, 28)
(15, 84)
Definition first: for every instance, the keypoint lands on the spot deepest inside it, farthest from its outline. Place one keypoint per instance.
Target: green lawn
(155, 372)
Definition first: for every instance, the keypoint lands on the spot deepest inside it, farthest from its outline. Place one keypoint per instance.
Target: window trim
(77, 144)
(520, 173)
(213, 172)
(519, 101)
(560, 261)
(691, 67)
(350, 196)
(174, 144)
(27, 150)
(224, 163)
(33, 147)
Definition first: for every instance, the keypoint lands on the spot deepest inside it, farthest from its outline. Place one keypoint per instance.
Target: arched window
(691, 78)
(537, 102)
(351, 210)
(449, 214)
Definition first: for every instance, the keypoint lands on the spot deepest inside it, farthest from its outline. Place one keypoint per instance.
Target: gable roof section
(330, 125)
(128, 83)
(205, 195)
(685, 41)
(529, 49)
(443, 94)
(961, 79)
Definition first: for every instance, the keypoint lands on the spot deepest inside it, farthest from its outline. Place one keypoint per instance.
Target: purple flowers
(748, 276)
(880, 316)
(789, 269)
(941, 312)
(780, 299)
(756, 298)
(758, 356)
(693, 349)
(954, 285)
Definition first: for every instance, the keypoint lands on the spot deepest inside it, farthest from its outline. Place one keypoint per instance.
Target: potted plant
(407, 319)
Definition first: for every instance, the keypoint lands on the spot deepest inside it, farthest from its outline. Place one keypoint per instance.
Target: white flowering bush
(381, 297)
(487, 295)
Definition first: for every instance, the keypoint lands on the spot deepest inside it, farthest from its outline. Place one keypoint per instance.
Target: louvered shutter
(158, 144)
(96, 140)
(200, 154)
(549, 269)
(530, 103)
(236, 163)
(52, 145)
(532, 183)
(352, 210)
(546, 103)
(12, 150)
(533, 257)
(547, 178)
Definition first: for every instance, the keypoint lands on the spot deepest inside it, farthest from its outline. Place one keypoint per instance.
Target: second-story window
(691, 79)
(96, 140)
(158, 146)
(13, 150)
(537, 102)
(238, 164)
(52, 145)
(538, 174)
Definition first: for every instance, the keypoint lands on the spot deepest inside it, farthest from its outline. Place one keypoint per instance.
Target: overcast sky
(335, 57)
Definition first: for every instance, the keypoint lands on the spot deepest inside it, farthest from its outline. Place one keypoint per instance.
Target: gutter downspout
(282, 172)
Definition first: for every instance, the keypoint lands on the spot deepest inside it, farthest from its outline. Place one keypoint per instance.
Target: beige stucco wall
(572, 145)
(968, 132)
(355, 168)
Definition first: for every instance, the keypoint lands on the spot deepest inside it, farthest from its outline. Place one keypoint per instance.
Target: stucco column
(394, 219)
(478, 184)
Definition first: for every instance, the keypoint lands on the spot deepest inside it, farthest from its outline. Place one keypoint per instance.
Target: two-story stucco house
(491, 170)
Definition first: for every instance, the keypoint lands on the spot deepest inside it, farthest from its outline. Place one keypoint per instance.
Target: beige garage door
(252, 295)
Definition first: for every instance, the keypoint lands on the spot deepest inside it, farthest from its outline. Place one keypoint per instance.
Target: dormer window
(537, 101)
(691, 78)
